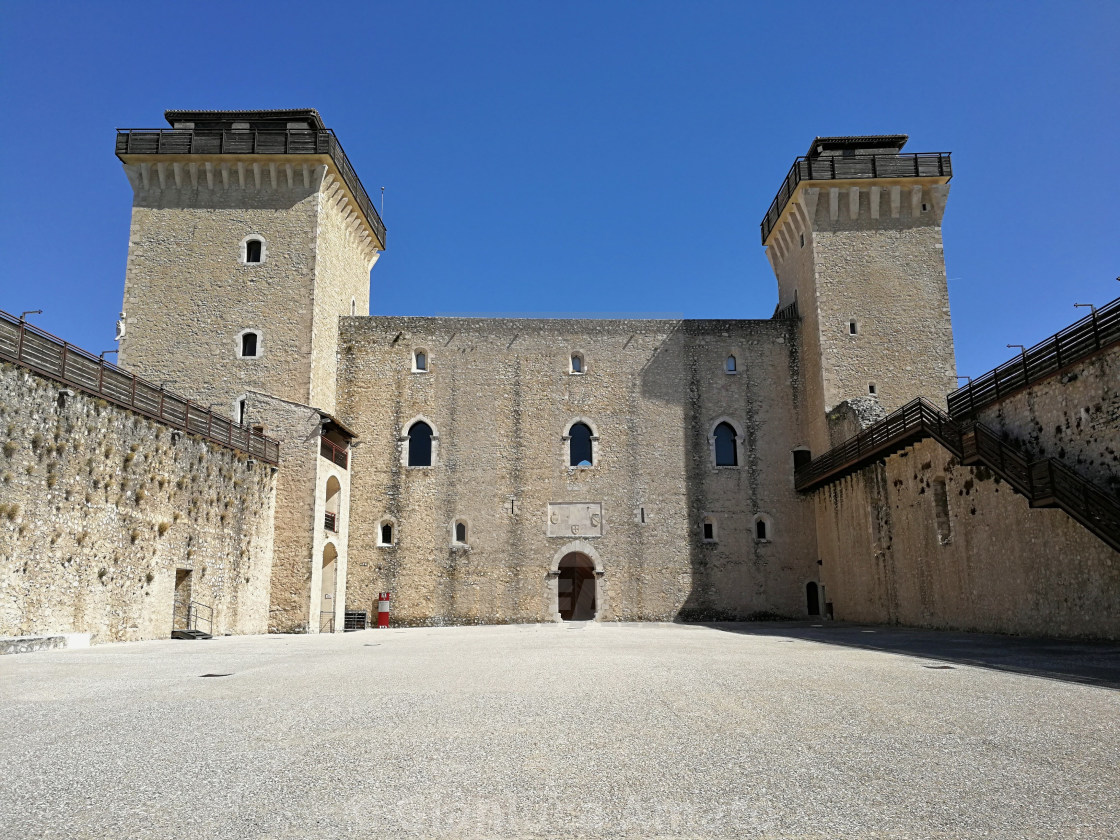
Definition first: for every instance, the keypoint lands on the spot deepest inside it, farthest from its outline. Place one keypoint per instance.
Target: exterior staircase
(1045, 482)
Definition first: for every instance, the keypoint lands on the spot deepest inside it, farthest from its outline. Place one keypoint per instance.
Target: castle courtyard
(774, 730)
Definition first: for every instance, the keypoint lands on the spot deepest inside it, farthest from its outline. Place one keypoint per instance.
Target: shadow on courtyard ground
(1091, 662)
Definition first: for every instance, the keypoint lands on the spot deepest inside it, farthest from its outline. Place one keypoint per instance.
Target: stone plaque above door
(575, 519)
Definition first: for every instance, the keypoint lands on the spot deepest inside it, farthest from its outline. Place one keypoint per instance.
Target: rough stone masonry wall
(100, 506)
(926, 542)
(342, 266)
(296, 427)
(188, 295)
(893, 284)
(499, 395)
(1074, 417)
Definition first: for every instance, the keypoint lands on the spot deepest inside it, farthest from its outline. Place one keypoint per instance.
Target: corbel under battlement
(847, 203)
(151, 178)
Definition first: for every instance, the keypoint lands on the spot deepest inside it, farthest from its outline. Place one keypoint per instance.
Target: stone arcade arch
(576, 591)
(327, 604)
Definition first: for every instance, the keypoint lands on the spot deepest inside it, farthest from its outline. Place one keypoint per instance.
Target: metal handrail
(1046, 482)
(853, 167)
(189, 141)
(1096, 331)
(50, 356)
(330, 521)
(193, 616)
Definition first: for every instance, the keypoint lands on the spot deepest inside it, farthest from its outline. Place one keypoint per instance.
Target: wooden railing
(179, 141)
(1096, 331)
(1045, 482)
(915, 420)
(50, 356)
(786, 313)
(843, 168)
(333, 452)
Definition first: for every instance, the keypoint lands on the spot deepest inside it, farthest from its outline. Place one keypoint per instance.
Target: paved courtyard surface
(573, 731)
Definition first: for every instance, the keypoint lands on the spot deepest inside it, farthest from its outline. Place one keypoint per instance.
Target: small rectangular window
(871, 389)
(853, 328)
(709, 531)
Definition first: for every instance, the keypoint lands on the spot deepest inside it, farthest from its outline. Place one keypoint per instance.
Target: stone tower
(854, 238)
(251, 234)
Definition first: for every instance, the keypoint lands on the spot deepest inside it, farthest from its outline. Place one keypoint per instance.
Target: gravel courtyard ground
(573, 731)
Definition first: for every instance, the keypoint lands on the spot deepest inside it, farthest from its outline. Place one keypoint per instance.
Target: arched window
(420, 444)
(730, 365)
(577, 363)
(385, 533)
(334, 496)
(419, 361)
(579, 445)
(727, 454)
(253, 251)
(461, 533)
(763, 528)
(249, 345)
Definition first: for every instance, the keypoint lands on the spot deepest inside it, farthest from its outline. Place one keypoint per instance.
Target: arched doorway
(813, 598)
(575, 588)
(326, 608)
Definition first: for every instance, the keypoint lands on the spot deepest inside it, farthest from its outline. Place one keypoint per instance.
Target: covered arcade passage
(575, 591)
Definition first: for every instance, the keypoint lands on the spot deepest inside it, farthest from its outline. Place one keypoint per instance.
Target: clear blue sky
(586, 157)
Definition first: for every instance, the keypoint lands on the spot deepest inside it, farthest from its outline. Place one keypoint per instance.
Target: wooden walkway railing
(1045, 483)
(1096, 331)
(188, 141)
(50, 356)
(333, 452)
(935, 165)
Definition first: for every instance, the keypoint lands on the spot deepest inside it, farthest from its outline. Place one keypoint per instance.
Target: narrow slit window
(241, 412)
(253, 251)
(249, 345)
(760, 530)
(385, 535)
(461, 533)
(853, 328)
(802, 240)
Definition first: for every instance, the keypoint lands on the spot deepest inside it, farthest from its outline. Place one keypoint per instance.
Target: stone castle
(489, 470)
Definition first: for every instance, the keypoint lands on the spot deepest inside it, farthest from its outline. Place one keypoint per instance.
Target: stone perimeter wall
(1073, 417)
(98, 508)
(500, 397)
(926, 542)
